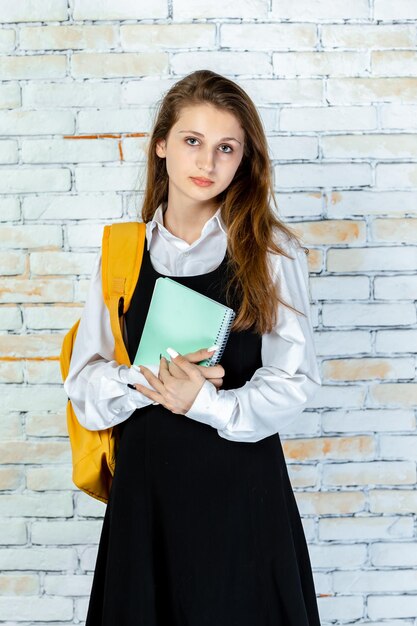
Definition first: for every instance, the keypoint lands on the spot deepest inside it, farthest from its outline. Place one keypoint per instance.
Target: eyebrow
(201, 135)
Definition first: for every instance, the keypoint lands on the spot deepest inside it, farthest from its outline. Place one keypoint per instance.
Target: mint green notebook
(183, 319)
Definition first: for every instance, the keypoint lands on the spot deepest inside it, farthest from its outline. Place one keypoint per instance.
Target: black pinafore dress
(199, 530)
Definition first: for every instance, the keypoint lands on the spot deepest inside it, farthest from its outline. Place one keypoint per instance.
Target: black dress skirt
(199, 530)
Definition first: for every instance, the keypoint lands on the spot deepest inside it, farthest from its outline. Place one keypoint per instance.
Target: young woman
(202, 527)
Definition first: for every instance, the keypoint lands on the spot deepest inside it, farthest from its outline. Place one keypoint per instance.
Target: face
(205, 143)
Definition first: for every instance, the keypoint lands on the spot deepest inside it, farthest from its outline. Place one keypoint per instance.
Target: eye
(230, 148)
(192, 139)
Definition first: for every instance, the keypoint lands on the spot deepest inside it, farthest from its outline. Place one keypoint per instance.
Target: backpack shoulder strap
(122, 252)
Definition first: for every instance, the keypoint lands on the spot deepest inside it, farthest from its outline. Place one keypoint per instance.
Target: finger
(201, 355)
(151, 378)
(189, 368)
(152, 395)
(176, 371)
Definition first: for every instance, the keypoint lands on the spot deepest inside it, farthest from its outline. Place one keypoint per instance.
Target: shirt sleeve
(289, 377)
(96, 384)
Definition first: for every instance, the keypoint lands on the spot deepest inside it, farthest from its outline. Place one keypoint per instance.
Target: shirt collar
(157, 221)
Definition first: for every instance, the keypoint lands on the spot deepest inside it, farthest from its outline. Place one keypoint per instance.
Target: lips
(202, 180)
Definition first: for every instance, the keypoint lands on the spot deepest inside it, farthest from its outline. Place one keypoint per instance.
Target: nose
(205, 160)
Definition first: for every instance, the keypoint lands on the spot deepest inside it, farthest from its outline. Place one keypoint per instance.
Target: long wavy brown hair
(245, 204)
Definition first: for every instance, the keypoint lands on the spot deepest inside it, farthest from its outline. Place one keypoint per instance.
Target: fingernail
(160, 356)
(172, 353)
(212, 348)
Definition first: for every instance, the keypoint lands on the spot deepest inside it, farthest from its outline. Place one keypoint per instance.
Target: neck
(188, 223)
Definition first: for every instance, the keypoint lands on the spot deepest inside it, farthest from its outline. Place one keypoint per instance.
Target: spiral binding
(222, 337)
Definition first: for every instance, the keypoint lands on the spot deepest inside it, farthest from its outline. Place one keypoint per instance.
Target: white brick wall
(336, 86)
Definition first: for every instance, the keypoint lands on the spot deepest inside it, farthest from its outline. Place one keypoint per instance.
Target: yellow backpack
(94, 451)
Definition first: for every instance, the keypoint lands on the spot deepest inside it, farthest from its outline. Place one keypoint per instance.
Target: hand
(175, 394)
(213, 373)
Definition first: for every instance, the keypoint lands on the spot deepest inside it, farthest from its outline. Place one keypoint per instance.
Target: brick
(303, 475)
(30, 180)
(13, 534)
(88, 559)
(330, 556)
(331, 231)
(332, 448)
(10, 318)
(19, 585)
(268, 36)
(372, 314)
(76, 585)
(320, 10)
(398, 288)
(365, 528)
(160, 36)
(34, 11)
(403, 10)
(69, 151)
(34, 398)
(394, 62)
(290, 148)
(328, 118)
(397, 340)
(371, 202)
(43, 372)
(8, 152)
(340, 287)
(367, 36)
(11, 372)
(367, 420)
(7, 39)
(199, 9)
(145, 92)
(30, 236)
(9, 95)
(84, 236)
(51, 317)
(114, 121)
(134, 149)
(394, 394)
(74, 94)
(307, 64)
(69, 263)
(392, 606)
(32, 452)
(89, 507)
(369, 473)
(337, 342)
(12, 263)
(374, 581)
(323, 174)
(109, 178)
(230, 62)
(341, 608)
(56, 478)
(36, 122)
(30, 346)
(334, 503)
(118, 65)
(370, 90)
(371, 259)
(9, 208)
(46, 425)
(64, 37)
(398, 554)
(337, 396)
(392, 501)
(368, 369)
(286, 90)
(72, 207)
(37, 505)
(393, 229)
(398, 116)
(37, 609)
(376, 146)
(43, 290)
(123, 10)
(66, 533)
(391, 175)
(398, 447)
(10, 478)
(33, 67)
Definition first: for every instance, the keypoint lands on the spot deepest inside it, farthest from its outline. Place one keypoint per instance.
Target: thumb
(184, 364)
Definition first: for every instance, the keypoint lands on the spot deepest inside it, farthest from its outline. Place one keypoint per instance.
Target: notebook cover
(183, 319)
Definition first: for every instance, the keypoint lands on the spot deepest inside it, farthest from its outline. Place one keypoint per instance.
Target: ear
(160, 148)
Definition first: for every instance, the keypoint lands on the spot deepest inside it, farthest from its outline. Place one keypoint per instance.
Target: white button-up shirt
(274, 397)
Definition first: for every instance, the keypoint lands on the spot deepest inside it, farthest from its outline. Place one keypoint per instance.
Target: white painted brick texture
(336, 87)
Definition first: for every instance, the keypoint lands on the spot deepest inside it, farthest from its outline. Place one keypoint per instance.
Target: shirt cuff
(213, 407)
